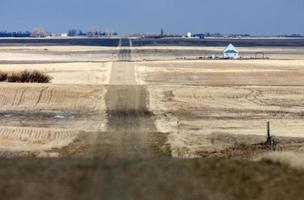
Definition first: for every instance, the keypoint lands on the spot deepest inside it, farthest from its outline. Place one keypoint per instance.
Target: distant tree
(103, 34)
(162, 32)
(199, 35)
(81, 33)
(39, 32)
(72, 32)
(22, 34)
(4, 34)
(92, 32)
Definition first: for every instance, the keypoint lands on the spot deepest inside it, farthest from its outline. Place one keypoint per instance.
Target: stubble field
(151, 104)
(200, 101)
(194, 103)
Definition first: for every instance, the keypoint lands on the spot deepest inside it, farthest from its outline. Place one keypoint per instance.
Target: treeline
(15, 34)
(37, 32)
(90, 33)
(292, 36)
(218, 35)
(41, 32)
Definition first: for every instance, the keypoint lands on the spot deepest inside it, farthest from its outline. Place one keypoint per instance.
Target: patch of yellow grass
(290, 159)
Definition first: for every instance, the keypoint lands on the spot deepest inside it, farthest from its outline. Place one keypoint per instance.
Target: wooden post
(269, 139)
(272, 143)
(268, 130)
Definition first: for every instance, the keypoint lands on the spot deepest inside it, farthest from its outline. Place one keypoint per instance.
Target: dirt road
(131, 131)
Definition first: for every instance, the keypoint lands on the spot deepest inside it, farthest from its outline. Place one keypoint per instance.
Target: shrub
(25, 77)
(36, 77)
(3, 76)
(13, 78)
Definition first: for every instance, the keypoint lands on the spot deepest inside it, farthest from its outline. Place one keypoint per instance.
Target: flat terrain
(196, 101)
(130, 120)
(215, 42)
(184, 105)
(113, 42)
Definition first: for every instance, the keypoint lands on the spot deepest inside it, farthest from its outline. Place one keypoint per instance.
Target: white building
(189, 35)
(63, 35)
(231, 52)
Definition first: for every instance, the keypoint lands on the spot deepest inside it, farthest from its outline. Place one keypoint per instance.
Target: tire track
(23, 97)
(40, 95)
(35, 134)
(253, 95)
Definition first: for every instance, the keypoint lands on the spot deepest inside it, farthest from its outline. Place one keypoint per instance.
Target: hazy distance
(259, 17)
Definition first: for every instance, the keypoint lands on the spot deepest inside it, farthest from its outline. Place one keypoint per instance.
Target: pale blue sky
(148, 16)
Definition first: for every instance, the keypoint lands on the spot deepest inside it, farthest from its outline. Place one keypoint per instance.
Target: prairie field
(121, 110)
(193, 103)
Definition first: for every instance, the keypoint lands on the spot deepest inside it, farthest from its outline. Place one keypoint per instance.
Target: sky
(256, 17)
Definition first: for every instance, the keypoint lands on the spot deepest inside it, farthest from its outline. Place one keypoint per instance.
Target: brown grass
(294, 160)
(237, 151)
(25, 77)
(212, 179)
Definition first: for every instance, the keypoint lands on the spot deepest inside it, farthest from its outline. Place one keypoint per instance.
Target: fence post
(269, 139)
(268, 130)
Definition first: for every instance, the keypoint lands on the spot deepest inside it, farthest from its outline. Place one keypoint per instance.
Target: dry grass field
(195, 101)
(140, 107)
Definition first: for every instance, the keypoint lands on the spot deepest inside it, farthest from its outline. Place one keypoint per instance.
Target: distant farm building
(231, 52)
(189, 35)
(63, 35)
